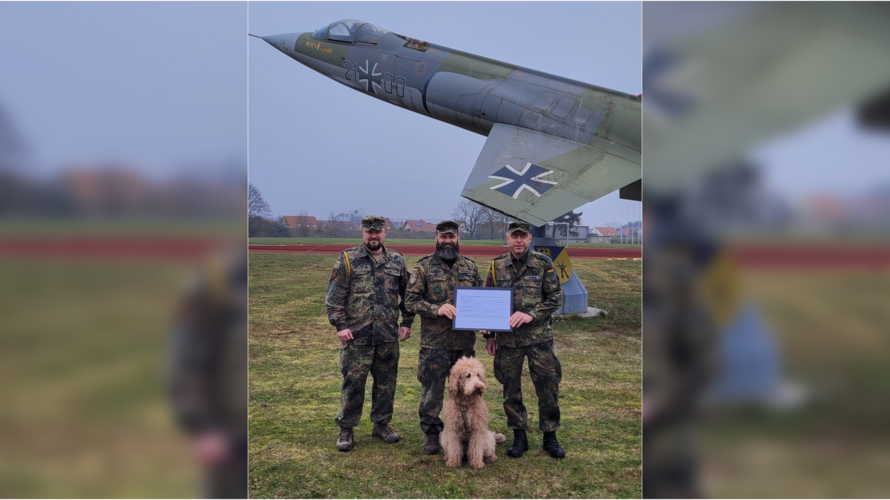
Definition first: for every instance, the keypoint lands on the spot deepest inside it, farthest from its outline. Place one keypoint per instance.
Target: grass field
(397, 241)
(295, 390)
(84, 411)
(831, 329)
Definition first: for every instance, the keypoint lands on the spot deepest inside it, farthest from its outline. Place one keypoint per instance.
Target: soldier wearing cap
(537, 294)
(365, 294)
(431, 295)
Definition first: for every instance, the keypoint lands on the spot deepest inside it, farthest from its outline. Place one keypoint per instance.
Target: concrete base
(574, 295)
(592, 312)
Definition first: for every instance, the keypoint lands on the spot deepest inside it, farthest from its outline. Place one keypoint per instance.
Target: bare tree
(471, 214)
(332, 217)
(256, 205)
(501, 221)
(303, 224)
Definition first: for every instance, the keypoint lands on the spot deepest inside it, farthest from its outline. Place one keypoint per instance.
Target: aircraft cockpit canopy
(349, 30)
(369, 33)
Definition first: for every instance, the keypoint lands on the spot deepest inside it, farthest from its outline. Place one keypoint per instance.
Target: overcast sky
(157, 86)
(318, 146)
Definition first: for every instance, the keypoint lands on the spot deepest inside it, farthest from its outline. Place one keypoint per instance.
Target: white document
(483, 309)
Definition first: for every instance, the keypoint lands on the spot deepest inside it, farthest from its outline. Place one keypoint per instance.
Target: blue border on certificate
(508, 292)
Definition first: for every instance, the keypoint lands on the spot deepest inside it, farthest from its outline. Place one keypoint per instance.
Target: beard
(373, 245)
(447, 251)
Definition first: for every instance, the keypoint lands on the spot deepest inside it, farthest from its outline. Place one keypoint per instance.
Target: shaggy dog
(465, 415)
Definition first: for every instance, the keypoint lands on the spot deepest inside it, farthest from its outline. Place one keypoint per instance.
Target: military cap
(447, 226)
(374, 222)
(518, 225)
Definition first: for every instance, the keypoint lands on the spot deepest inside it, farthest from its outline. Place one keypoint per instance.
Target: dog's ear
(454, 383)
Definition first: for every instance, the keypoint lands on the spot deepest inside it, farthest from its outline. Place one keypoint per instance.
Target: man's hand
(447, 310)
(211, 448)
(345, 335)
(404, 333)
(490, 346)
(519, 318)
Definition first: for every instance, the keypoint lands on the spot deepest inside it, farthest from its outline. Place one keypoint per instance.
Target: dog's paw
(491, 459)
(477, 465)
(454, 464)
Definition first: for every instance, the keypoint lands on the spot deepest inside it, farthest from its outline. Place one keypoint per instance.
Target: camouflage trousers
(356, 361)
(228, 479)
(432, 370)
(546, 372)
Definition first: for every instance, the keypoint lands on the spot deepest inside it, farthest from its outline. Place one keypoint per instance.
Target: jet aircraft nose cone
(284, 42)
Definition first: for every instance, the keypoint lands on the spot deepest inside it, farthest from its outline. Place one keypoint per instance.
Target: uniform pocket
(438, 288)
(362, 279)
(531, 290)
(466, 278)
(391, 279)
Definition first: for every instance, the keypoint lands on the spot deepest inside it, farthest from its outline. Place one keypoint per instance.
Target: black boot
(551, 445)
(520, 444)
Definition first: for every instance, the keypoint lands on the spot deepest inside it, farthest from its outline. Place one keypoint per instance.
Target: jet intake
(452, 98)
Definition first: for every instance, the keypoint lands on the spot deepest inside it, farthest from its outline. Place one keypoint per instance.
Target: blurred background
(767, 256)
(123, 132)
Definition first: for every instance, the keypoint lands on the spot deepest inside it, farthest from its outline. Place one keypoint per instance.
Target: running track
(800, 256)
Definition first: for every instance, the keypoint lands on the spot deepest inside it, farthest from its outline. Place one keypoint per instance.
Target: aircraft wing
(715, 95)
(537, 177)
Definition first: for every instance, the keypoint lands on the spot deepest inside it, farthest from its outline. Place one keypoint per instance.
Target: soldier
(208, 372)
(431, 294)
(365, 295)
(537, 294)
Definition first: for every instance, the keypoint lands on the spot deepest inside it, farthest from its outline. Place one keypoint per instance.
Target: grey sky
(319, 146)
(157, 86)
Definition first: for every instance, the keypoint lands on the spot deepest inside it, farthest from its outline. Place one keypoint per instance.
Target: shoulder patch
(542, 257)
(413, 279)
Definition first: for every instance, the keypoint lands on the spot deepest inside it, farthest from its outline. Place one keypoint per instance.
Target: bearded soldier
(431, 295)
(365, 294)
(537, 294)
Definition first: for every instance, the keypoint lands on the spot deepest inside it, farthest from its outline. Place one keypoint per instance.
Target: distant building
(419, 225)
(592, 238)
(298, 221)
(610, 232)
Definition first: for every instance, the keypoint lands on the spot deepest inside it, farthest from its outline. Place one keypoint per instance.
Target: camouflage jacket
(207, 368)
(432, 285)
(536, 291)
(364, 294)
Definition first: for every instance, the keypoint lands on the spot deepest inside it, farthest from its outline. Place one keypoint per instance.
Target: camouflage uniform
(431, 286)
(537, 292)
(680, 356)
(208, 369)
(366, 297)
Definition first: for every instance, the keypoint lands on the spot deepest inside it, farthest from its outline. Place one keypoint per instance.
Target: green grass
(396, 241)
(141, 226)
(831, 331)
(295, 389)
(84, 411)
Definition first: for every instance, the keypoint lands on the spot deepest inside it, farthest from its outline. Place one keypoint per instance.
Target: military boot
(385, 432)
(431, 445)
(344, 442)
(551, 445)
(520, 444)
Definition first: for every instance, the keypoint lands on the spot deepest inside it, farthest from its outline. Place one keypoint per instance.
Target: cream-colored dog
(465, 415)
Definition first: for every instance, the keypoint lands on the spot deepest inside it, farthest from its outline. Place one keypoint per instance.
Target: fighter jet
(553, 144)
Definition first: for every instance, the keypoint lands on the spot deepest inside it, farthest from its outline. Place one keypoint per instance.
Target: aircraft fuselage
(470, 91)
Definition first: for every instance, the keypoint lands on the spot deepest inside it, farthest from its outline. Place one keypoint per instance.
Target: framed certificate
(483, 308)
